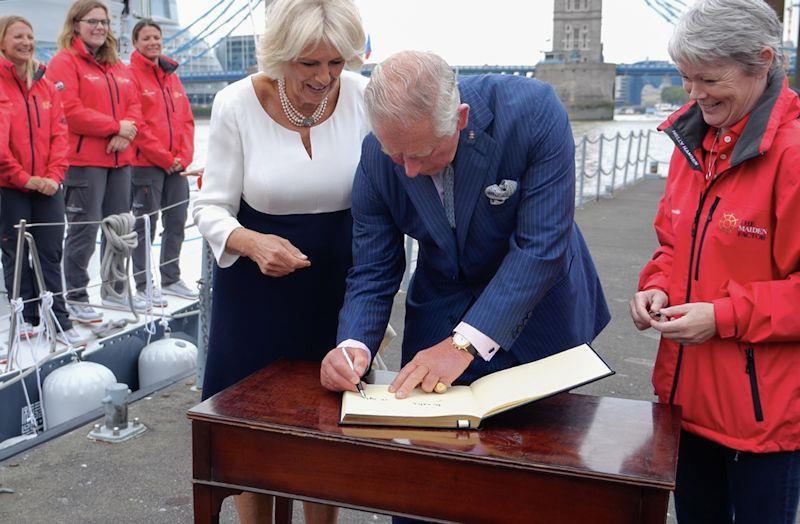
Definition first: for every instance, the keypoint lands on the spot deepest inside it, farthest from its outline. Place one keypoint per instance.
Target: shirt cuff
(485, 346)
(350, 343)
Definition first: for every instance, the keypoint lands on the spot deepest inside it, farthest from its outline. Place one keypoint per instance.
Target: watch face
(460, 340)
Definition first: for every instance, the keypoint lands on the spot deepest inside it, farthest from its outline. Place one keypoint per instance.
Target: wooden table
(568, 458)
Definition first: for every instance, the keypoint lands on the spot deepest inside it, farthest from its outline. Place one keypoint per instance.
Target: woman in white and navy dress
(284, 145)
(275, 202)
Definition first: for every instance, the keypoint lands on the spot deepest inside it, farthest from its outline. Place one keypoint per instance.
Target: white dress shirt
(252, 157)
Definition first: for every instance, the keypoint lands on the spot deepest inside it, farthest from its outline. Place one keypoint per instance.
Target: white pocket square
(499, 193)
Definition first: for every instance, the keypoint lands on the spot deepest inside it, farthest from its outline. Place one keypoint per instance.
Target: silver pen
(358, 386)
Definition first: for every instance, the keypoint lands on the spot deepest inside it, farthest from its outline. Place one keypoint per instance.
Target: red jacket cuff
(656, 282)
(724, 317)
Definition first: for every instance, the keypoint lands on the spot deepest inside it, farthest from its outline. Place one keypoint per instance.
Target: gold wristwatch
(461, 342)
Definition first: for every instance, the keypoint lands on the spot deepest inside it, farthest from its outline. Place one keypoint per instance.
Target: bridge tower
(575, 67)
(577, 31)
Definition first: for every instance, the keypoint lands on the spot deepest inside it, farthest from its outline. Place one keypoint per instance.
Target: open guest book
(467, 406)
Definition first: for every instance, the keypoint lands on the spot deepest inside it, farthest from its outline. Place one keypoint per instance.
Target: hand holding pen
(359, 386)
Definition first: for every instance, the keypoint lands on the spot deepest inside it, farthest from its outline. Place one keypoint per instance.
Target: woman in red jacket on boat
(32, 166)
(103, 111)
(163, 149)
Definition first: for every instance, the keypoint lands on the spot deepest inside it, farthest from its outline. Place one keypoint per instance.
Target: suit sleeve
(766, 311)
(378, 263)
(538, 249)
(80, 119)
(57, 161)
(656, 273)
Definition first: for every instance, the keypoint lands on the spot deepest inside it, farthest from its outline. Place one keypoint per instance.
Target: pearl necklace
(296, 117)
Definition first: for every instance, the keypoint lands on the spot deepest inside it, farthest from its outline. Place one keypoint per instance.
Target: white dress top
(252, 157)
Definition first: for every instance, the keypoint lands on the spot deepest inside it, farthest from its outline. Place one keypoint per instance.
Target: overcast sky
(476, 32)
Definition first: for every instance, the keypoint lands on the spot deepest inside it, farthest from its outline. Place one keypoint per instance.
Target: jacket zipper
(695, 225)
(113, 109)
(116, 87)
(80, 143)
(166, 108)
(751, 370)
(36, 106)
(30, 127)
(703, 237)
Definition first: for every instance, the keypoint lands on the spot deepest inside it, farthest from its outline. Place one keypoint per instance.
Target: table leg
(208, 502)
(283, 510)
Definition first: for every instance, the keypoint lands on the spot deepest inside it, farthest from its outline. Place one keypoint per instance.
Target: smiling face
(312, 76)
(18, 44)
(724, 93)
(148, 42)
(418, 149)
(93, 28)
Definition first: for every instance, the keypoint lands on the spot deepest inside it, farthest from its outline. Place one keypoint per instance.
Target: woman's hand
(691, 323)
(49, 187)
(117, 143)
(34, 183)
(275, 256)
(127, 129)
(645, 305)
(176, 166)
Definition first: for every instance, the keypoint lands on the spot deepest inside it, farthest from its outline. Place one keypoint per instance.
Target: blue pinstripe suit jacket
(519, 272)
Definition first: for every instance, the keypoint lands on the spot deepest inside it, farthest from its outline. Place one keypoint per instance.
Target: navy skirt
(256, 319)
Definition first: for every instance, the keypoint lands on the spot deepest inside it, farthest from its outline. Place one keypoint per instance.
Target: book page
(538, 379)
(380, 403)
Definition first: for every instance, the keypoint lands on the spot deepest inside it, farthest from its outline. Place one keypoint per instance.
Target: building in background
(47, 17)
(575, 67)
(237, 53)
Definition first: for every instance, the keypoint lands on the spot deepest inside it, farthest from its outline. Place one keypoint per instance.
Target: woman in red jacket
(102, 110)
(31, 169)
(163, 149)
(724, 285)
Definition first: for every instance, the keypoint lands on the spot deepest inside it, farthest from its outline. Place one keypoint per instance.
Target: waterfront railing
(609, 163)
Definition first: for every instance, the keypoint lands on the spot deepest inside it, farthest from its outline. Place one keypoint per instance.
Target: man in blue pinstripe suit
(480, 172)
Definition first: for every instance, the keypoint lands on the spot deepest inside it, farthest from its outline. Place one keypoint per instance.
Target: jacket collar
(7, 70)
(165, 63)
(777, 104)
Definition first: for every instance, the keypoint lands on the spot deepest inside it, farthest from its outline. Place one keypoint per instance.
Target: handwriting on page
(419, 402)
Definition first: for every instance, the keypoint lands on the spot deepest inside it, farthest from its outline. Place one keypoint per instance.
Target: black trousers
(153, 189)
(92, 193)
(716, 484)
(34, 207)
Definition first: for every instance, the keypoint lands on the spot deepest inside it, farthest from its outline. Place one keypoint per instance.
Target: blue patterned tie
(447, 198)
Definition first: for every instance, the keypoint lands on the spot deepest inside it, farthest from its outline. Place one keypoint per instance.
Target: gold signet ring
(440, 388)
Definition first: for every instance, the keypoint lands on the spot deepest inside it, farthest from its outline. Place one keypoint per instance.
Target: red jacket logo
(728, 223)
(743, 228)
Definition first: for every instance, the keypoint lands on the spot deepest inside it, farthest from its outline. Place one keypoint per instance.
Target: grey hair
(410, 87)
(294, 25)
(728, 31)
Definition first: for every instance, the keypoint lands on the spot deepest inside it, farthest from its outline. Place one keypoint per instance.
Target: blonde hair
(294, 25)
(31, 65)
(106, 53)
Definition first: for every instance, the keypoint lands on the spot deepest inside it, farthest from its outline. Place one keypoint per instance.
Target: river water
(626, 149)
